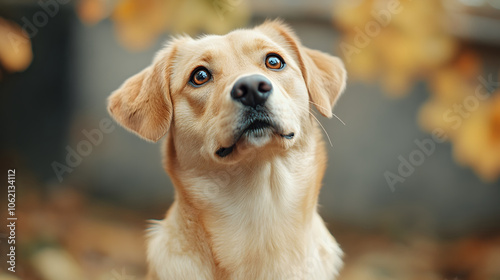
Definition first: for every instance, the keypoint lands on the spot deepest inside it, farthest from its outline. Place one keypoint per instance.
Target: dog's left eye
(274, 62)
(200, 76)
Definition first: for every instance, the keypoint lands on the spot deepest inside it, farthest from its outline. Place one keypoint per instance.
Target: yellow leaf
(350, 13)
(139, 22)
(478, 142)
(15, 47)
(363, 65)
(91, 11)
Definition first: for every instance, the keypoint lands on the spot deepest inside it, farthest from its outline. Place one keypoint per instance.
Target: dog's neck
(254, 210)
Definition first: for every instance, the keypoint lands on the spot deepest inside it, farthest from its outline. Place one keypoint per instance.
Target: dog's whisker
(322, 127)
(316, 104)
(337, 117)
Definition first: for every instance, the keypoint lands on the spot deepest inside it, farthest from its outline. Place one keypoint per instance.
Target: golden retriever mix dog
(243, 151)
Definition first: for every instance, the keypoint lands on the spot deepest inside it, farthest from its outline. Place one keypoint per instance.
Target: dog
(243, 151)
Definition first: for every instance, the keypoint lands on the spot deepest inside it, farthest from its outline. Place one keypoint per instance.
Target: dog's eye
(274, 62)
(200, 76)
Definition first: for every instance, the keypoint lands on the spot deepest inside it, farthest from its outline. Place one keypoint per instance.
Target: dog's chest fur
(264, 233)
(260, 223)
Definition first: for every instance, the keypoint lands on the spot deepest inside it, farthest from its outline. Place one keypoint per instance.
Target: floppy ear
(142, 104)
(325, 78)
(325, 75)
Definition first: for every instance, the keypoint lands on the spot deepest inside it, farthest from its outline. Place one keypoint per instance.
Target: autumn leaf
(15, 47)
(139, 23)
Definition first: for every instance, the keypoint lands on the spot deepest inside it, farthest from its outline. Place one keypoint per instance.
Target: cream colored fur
(252, 214)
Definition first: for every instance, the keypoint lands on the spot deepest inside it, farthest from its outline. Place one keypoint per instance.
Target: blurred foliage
(400, 46)
(15, 47)
(403, 42)
(64, 234)
(138, 23)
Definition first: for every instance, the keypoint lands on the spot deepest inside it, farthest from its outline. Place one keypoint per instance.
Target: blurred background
(412, 190)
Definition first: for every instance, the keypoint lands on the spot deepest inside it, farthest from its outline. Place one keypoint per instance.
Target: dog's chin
(255, 139)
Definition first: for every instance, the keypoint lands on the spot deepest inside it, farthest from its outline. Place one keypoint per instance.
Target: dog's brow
(205, 57)
(257, 45)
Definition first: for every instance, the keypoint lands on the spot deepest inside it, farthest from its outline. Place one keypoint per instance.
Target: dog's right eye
(274, 62)
(200, 76)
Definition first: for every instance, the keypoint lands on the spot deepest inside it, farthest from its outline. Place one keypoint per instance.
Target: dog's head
(223, 96)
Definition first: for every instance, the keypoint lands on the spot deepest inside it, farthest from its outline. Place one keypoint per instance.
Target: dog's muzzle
(255, 122)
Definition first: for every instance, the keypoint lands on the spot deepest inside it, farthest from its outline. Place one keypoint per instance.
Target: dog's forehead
(237, 43)
(237, 39)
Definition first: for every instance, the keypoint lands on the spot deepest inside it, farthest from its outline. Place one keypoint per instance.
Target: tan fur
(252, 214)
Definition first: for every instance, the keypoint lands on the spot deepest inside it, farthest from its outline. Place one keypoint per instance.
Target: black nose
(252, 90)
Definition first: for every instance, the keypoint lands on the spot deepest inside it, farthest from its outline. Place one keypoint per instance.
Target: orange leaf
(15, 47)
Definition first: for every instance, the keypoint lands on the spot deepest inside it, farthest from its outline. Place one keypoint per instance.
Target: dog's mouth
(256, 127)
